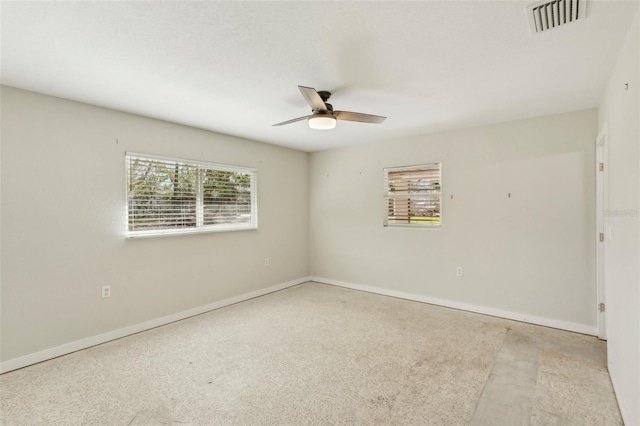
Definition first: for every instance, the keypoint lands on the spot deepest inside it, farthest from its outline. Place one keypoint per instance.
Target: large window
(172, 196)
(412, 196)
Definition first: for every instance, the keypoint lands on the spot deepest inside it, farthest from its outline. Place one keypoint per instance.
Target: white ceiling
(233, 67)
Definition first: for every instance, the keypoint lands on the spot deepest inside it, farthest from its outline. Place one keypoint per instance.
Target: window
(412, 195)
(172, 196)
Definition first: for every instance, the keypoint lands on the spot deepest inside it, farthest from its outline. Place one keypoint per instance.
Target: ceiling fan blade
(293, 121)
(359, 117)
(313, 98)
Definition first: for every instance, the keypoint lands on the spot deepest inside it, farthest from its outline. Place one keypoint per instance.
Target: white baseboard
(34, 358)
(531, 319)
(626, 410)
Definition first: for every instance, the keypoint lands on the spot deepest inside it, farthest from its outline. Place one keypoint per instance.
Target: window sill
(188, 231)
(406, 226)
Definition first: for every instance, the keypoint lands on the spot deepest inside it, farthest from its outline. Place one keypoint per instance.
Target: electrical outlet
(266, 261)
(459, 271)
(106, 291)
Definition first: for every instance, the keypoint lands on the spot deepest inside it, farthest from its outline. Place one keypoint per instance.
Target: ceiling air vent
(547, 15)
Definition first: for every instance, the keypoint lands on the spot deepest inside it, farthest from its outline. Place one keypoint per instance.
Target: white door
(601, 232)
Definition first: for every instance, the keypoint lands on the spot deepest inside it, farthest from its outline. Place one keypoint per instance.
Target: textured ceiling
(233, 67)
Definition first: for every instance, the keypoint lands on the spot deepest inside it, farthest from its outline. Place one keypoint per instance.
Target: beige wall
(532, 253)
(63, 199)
(619, 112)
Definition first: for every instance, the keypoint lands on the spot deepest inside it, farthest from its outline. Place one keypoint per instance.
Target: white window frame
(199, 228)
(387, 195)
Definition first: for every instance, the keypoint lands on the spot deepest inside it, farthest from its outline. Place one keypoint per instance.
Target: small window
(172, 196)
(412, 195)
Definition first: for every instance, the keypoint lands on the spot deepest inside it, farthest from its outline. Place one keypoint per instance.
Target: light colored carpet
(317, 354)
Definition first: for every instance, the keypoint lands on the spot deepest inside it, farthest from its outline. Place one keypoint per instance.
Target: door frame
(602, 226)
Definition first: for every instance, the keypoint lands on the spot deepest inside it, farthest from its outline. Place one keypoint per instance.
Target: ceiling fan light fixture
(322, 122)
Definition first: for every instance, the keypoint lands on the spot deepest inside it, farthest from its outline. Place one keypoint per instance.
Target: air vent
(548, 15)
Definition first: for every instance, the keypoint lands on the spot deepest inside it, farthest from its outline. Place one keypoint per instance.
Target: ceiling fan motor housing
(324, 95)
(329, 107)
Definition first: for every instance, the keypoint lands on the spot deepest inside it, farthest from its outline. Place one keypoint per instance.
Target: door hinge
(601, 307)
(602, 236)
(602, 167)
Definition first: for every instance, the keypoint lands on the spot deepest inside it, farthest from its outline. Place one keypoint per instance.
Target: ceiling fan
(323, 116)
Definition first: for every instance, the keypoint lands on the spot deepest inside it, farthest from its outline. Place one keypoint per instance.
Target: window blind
(412, 195)
(167, 196)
